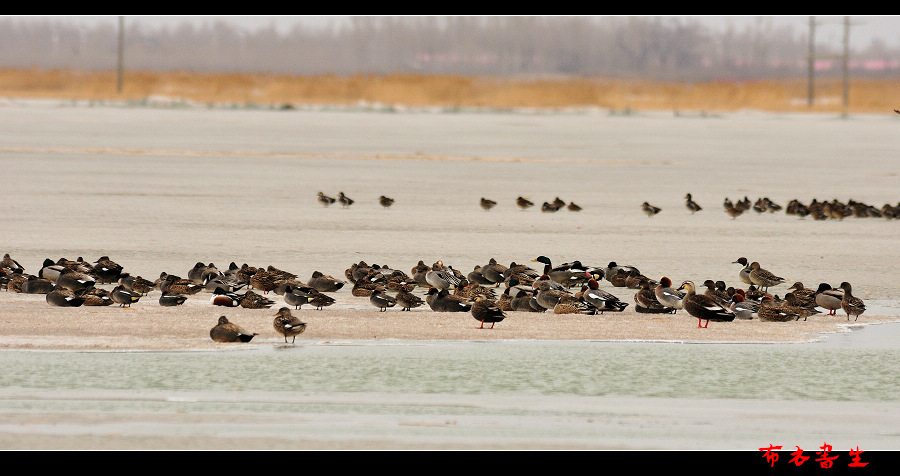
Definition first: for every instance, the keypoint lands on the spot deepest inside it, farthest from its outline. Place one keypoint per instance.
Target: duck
(650, 210)
(558, 203)
(170, 300)
(613, 268)
(548, 297)
(731, 209)
(602, 300)
(495, 272)
(195, 274)
(319, 300)
(325, 199)
(703, 307)
(226, 331)
(294, 297)
(176, 285)
(524, 203)
(763, 278)
(123, 297)
(487, 203)
(486, 310)
(382, 300)
(37, 285)
(399, 280)
(805, 297)
(252, 300)
(667, 295)
(646, 302)
(106, 270)
(691, 205)
(620, 278)
(851, 304)
(440, 277)
(266, 280)
(477, 276)
(325, 283)
(50, 270)
(567, 274)
(364, 289)
(8, 263)
(385, 202)
(634, 280)
(287, 324)
(522, 300)
(344, 200)
(75, 280)
(771, 312)
(226, 282)
(743, 309)
(744, 273)
(829, 298)
(95, 297)
(407, 300)
(141, 285)
(548, 207)
(573, 207)
(471, 291)
(804, 309)
(440, 300)
(226, 298)
(716, 290)
(63, 297)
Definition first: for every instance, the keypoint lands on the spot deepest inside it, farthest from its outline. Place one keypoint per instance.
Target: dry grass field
(400, 90)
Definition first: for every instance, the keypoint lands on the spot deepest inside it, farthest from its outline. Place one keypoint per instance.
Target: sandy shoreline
(32, 324)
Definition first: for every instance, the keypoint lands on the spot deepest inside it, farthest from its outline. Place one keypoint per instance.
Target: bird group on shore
(488, 293)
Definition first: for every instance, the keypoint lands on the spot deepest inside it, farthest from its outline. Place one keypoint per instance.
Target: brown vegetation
(865, 96)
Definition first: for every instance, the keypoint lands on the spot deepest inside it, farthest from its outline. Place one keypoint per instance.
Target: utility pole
(845, 60)
(121, 67)
(810, 88)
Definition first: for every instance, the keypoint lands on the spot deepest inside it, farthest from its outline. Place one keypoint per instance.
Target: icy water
(160, 189)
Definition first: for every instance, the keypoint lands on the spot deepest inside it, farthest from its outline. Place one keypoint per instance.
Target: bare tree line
(656, 48)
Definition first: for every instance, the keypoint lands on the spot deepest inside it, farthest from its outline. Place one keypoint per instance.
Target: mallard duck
(548, 296)
(667, 295)
(703, 307)
(634, 280)
(732, 210)
(141, 285)
(106, 270)
(851, 304)
(385, 202)
(548, 207)
(408, 300)
(265, 280)
(50, 270)
(63, 297)
(487, 203)
(504, 302)
(364, 289)
(228, 283)
(471, 291)
(486, 310)
(763, 278)
(382, 300)
(169, 300)
(440, 300)
(521, 301)
(829, 298)
(252, 300)
(650, 210)
(287, 324)
(600, 299)
(245, 272)
(613, 268)
(226, 331)
(400, 281)
(646, 302)
(177, 285)
(567, 274)
(325, 199)
(619, 278)
(805, 297)
(344, 200)
(524, 203)
(804, 309)
(573, 207)
(324, 283)
(419, 272)
(558, 203)
(123, 297)
(691, 205)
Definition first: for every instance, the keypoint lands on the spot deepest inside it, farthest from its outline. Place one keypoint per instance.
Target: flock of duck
(570, 288)
(818, 210)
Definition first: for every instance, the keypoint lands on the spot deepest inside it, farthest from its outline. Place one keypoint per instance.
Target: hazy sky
(863, 28)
